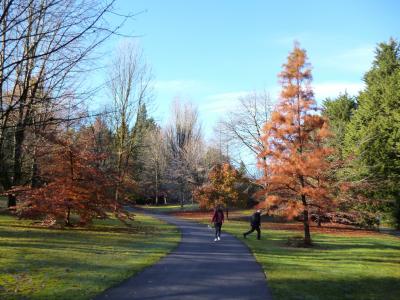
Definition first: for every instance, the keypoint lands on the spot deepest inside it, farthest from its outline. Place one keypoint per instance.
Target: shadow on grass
(350, 246)
(314, 274)
(331, 289)
(75, 263)
(85, 241)
(74, 279)
(133, 229)
(337, 267)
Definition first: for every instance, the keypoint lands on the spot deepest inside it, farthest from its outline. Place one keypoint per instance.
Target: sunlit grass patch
(77, 263)
(169, 208)
(337, 267)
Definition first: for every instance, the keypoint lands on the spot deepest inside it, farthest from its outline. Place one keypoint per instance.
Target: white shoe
(218, 238)
(215, 240)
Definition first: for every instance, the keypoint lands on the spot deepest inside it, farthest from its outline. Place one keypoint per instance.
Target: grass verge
(344, 264)
(170, 208)
(77, 263)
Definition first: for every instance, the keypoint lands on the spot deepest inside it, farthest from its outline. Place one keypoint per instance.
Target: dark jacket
(218, 216)
(256, 219)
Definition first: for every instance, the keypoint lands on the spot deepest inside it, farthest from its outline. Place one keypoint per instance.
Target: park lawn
(342, 265)
(77, 263)
(169, 208)
(176, 208)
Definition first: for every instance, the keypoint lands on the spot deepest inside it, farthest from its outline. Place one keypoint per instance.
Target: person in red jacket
(218, 219)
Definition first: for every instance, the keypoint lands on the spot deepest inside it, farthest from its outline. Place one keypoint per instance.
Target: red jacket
(218, 216)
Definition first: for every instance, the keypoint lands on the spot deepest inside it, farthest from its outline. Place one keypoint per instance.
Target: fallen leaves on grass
(331, 228)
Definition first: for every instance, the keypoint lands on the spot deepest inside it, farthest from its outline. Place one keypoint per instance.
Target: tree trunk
(181, 200)
(5, 180)
(264, 183)
(116, 196)
(35, 182)
(156, 187)
(319, 219)
(19, 139)
(306, 222)
(12, 200)
(68, 217)
(118, 182)
(120, 177)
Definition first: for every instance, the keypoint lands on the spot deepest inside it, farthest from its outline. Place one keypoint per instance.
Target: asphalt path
(198, 268)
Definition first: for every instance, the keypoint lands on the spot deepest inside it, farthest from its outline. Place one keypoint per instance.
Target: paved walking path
(198, 269)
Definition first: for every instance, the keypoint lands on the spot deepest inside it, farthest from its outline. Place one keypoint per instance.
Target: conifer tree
(339, 112)
(295, 171)
(373, 135)
(144, 125)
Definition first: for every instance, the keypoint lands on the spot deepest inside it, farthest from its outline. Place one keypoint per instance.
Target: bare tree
(214, 156)
(241, 130)
(129, 87)
(45, 49)
(185, 147)
(154, 159)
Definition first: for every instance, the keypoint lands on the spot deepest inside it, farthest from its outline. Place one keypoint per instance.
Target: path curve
(198, 268)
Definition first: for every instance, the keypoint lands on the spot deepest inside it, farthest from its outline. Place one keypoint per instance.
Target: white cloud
(221, 102)
(326, 89)
(357, 60)
(334, 88)
(366, 51)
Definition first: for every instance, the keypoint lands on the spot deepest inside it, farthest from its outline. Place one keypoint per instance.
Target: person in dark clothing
(255, 223)
(12, 200)
(218, 219)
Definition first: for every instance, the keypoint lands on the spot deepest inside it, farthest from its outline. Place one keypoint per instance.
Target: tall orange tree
(296, 173)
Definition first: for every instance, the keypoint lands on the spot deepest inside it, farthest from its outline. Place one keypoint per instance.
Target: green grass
(170, 207)
(338, 267)
(77, 263)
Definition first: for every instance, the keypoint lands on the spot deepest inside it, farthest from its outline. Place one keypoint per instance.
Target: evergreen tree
(143, 125)
(373, 134)
(339, 112)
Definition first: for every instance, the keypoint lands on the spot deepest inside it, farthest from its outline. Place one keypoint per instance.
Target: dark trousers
(217, 229)
(254, 228)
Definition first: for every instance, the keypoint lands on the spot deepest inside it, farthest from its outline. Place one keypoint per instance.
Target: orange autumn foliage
(72, 184)
(221, 188)
(296, 173)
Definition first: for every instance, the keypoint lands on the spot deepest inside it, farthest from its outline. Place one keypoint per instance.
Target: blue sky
(212, 52)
